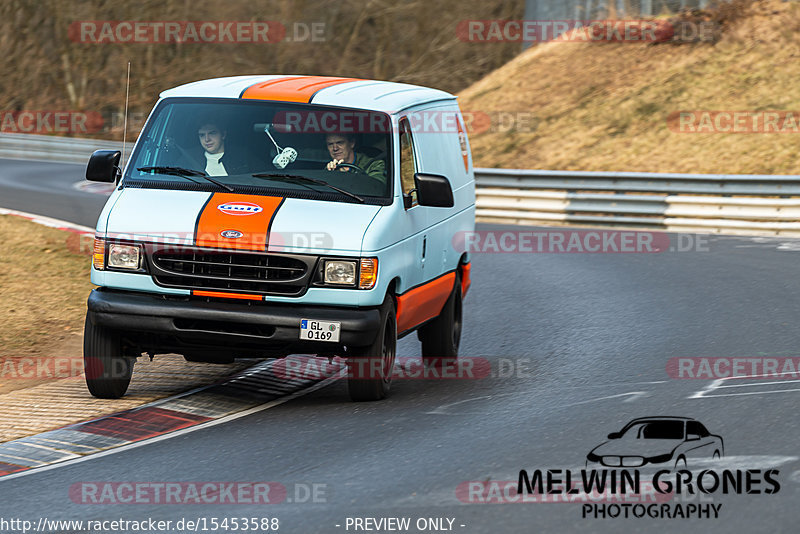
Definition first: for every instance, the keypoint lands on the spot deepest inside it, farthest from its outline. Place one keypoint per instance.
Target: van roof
(344, 92)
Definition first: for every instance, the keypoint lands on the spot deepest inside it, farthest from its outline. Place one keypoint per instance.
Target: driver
(341, 148)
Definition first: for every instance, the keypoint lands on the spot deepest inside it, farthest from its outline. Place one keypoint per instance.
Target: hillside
(605, 106)
(49, 64)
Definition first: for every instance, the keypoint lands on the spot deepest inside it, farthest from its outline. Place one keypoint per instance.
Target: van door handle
(424, 248)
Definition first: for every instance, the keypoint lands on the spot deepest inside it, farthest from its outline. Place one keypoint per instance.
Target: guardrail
(723, 203)
(51, 148)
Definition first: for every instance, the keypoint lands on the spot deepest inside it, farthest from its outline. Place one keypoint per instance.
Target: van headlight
(127, 257)
(340, 272)
(358, 273)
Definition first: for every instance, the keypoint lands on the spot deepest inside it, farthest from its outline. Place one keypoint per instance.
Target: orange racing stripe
(292, 89)
(423, 302)
(248, 215)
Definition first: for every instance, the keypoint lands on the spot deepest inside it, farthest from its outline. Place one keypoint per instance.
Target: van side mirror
(104, 166)
(433, 190)
(614, 435)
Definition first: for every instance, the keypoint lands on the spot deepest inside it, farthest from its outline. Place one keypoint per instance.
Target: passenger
(215, 160)
(341, 148)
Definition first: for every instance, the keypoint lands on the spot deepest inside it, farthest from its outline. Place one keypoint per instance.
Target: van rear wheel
(369, 372)
(441, 337)
(107, 371)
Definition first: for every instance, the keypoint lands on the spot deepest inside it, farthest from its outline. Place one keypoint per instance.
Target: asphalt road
(47, 188)
(579, 345)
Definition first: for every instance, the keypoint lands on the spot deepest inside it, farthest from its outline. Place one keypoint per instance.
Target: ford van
(263, 216)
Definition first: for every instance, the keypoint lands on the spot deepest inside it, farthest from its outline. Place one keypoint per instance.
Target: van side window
(407, 160)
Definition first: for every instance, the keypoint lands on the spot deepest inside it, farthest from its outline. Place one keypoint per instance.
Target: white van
(262, 216)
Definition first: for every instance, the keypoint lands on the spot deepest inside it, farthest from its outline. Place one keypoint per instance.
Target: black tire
(441, 337)
(107, 371)
(370, 368)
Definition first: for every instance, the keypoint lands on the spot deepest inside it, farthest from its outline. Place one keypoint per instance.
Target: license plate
(312, 330)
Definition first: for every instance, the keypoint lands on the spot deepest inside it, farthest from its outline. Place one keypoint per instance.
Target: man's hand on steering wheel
(347, 166)
(340, 165)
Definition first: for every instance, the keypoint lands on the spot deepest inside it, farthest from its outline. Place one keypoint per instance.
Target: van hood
(238, 221)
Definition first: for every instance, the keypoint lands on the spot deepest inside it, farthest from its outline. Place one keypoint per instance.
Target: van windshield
(247, 146)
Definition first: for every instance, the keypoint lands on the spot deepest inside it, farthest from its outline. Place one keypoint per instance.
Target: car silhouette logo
(231, 234)
(670, 441)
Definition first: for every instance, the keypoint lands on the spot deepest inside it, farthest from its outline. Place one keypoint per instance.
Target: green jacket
(373, 166)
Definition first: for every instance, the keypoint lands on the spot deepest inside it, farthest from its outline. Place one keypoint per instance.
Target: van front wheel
(107, 371)
(369, 369)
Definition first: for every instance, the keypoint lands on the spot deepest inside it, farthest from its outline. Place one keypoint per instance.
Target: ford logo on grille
(240, 208)
(231, 234)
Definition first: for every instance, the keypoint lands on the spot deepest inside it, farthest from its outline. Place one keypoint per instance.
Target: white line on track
(48, 221)
(710, 391)
(632, 394)
(442, 409)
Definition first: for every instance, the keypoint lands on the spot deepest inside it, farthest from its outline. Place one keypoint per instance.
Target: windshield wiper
(184, 173)
(307, 179)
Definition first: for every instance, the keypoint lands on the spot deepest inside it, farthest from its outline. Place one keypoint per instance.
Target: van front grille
(239, 271)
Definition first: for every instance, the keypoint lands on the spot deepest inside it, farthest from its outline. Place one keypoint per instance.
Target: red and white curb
(255, 389)
(48, 221)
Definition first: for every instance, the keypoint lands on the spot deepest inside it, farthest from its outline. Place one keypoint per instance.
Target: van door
(439, 151)
(416, 216)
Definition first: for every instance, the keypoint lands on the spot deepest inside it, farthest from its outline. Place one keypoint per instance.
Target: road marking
(745, 461)
(633, 396)
(442, 408)
(761, 384)
(617, 384)
(710, 390)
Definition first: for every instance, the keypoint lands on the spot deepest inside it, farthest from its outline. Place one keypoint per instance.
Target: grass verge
(44, 284)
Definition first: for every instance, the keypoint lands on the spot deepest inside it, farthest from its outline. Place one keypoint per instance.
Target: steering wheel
(351, 166)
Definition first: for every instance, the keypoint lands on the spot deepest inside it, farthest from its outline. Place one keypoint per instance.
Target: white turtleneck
(214, 166)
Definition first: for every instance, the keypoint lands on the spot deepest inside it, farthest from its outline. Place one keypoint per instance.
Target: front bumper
(203, 324)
